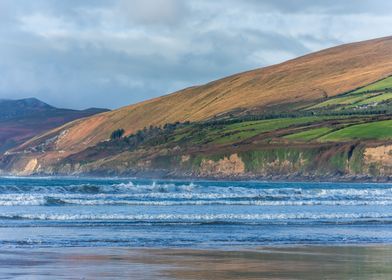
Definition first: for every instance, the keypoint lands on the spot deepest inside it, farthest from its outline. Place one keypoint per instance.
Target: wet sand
(315, 262)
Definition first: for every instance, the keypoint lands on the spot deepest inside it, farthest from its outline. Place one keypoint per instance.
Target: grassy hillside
(317, 142)
(338, 96)
(379, 130)
(309, 134)
(382, 85)
(286, 86)
(337, 123)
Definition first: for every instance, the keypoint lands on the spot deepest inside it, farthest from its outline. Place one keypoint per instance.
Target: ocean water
(87, 212)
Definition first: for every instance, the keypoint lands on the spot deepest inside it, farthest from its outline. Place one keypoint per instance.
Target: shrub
(117, 134)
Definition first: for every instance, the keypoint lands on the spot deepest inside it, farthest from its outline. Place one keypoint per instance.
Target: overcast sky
(78, 54)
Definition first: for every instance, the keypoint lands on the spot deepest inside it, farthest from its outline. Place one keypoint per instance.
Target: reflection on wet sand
(314, 262)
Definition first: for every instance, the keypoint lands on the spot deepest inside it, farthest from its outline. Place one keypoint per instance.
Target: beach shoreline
(192, 178)
(280, 262)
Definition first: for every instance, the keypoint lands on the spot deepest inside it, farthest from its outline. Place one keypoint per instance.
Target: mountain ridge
(22, 119)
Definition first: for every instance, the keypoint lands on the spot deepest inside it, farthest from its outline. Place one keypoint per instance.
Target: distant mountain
(23, 107)
(328, 113)
(23, 119)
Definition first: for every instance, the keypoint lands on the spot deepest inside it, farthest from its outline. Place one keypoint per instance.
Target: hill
(317, 111)
(22, 119)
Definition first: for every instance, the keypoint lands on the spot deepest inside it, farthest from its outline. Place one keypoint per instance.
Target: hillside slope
(23, 119)
(291, 86)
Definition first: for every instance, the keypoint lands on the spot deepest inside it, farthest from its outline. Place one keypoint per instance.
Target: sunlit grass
(380, 85)
(310, 134)
(380, 130)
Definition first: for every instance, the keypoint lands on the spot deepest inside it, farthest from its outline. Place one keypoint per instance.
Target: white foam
(269, 197)
(199, 217)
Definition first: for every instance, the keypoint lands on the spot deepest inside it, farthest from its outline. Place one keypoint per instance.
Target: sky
(112, 53)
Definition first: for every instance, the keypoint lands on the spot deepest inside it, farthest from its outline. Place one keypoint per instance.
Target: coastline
(186, 177)
(283, 262)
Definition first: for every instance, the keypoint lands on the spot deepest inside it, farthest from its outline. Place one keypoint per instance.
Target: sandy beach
(313, 262)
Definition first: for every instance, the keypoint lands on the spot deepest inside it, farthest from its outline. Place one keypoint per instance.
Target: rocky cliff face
(225, 167)
(338, 162)
(379, 159)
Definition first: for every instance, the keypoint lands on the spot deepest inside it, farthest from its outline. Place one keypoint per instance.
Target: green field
(380, 130)
(345, 100)
(376, 99)
(380, 85)
(321, 128)
(237, 132)
(370, 94)
(310, 134)
(241, 131)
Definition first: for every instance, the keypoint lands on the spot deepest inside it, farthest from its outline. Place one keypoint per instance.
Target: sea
(58, 212)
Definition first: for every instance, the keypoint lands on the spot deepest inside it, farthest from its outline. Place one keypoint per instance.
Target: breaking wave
(171, 194)
(197, 217)
(101, 200)
(115, 212)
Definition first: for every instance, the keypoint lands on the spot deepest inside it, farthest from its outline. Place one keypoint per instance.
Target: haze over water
(65, 212)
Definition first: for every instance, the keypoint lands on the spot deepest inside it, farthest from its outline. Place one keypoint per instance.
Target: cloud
(112, 53)
(152, 12)
(336, 7)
